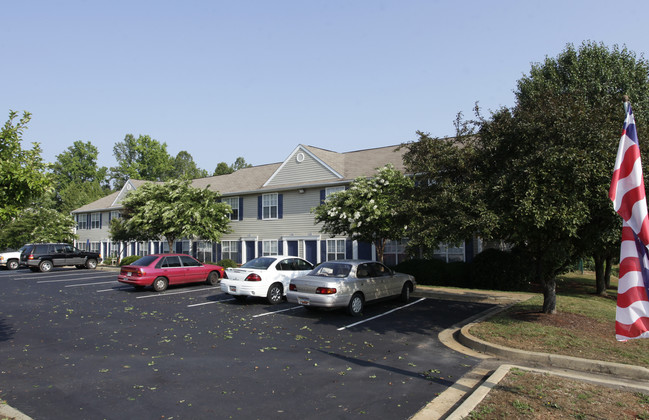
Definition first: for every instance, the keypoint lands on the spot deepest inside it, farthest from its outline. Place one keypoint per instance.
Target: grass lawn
(584, 326)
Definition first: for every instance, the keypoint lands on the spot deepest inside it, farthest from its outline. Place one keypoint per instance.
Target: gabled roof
(315, 167)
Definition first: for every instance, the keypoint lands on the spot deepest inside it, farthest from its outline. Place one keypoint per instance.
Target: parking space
(78, 344)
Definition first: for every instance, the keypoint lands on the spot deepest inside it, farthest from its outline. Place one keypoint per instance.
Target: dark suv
(45, 256)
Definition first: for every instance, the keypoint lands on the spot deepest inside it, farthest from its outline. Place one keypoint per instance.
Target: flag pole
(626, 103)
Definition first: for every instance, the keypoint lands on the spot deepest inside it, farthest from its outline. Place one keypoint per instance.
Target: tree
(142, 158)
(171, 210)
(368, 210)
(223, 168)
(22, 172)
(78, 180)
(537, 175)
(184, 167)
(37, 224)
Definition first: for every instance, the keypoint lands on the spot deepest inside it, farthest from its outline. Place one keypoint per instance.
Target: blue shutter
(323, 250)
(88, 221)
(240, 208)
(349, 252)
(260, 248)
(280, 206)
(322, 196)
(280, 247)
(259, 207)
(100, 220)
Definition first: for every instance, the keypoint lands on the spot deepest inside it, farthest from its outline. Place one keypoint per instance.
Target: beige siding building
(271, 210)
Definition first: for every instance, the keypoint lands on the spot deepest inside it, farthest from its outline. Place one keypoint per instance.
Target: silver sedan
(349, 284)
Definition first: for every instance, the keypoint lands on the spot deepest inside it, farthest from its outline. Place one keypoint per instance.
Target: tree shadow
(6, 331)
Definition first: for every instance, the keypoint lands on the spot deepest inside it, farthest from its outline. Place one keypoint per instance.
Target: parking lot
(77, 344)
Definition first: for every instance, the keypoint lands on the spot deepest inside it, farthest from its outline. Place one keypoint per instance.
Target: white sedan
(267, 277)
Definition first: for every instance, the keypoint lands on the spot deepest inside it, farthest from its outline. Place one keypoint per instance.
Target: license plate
(129, 274)
(233, 288)
(303, 301)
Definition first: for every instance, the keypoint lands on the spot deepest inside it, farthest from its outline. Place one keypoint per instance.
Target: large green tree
(184, 167)
(223, 168)
(367, 210)
(536, 175)
(171, 210)
(140, 158)
(78, 179)
(37, 224)
(23, 175)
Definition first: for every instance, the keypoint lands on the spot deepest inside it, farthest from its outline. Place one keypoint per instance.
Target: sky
(256, 78)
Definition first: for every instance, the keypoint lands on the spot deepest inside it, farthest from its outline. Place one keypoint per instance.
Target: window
(335, 249)
(143, 249)
(94, 247)
(95, 220)
(114, 250)
(82, 246)
(449, 253)
(204, 251)
(234, 203)
(293, 264)
(331, 190)
(82, 221)
(395, 252)
(269, 206)
(189, 261)
(269, 248)
(115, 214)
(230, 250)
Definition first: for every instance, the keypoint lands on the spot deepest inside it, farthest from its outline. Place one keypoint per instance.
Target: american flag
(628, 195)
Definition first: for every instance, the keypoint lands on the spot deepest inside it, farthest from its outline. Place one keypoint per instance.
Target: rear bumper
(243, 288)
(318, 301)
(135, 281)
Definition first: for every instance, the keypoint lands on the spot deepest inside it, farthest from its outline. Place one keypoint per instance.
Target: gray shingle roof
(247, 180)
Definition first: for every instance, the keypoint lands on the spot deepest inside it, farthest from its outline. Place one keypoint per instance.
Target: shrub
(128, 260)
(435, 272)
(500, 270)
(227, 263)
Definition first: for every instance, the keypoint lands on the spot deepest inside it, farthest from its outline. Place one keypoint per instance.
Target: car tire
(275, 294)
(91, 263)
(12, 264)
(160, 284)
(45, 266)
(356, 305)
(405, 293)
(240, 298)
(213, 278)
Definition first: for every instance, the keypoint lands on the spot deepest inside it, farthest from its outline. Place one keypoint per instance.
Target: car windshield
(259, 263)
(331, 270)
(144, 261)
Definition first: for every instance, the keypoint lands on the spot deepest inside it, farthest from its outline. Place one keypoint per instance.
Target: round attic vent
(299, 157)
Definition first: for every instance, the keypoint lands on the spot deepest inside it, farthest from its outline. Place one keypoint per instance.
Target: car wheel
(45, 266)
(91, 264)
(356, 305)
(240, 298)
(12, 264)
(160, 284)
(274, 295)
(213, 278)
(405, 293)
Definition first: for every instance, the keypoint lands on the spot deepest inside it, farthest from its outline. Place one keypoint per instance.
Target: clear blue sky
(222, 79)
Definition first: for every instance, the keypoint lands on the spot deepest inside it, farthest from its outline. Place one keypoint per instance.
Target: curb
(553, 360)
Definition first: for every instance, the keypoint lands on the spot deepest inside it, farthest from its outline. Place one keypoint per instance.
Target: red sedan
(161, 270)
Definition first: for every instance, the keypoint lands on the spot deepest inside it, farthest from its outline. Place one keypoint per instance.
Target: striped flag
(628, 195)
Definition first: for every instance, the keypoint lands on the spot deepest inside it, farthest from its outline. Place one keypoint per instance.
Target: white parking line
(276, 312)
(209, 303)
(49, 275)
(379, 316)
(62, 280)
(90, 284)
(114, 288)
(173, 293)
